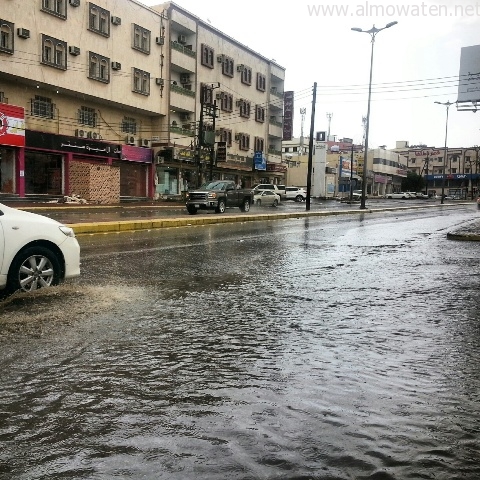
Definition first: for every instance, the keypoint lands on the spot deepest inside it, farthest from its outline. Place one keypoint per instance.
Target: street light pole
(446, 104)
(373, 33)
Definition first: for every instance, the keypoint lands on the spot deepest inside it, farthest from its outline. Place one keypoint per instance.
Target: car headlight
(67, 231)
(212, 195)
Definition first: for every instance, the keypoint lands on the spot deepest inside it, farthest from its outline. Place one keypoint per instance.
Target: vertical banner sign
(288, 115)
(221, 151)
(259, 161)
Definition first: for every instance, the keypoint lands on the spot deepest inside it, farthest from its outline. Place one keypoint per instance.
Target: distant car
(358, 193)
(295, 193)
(402, 195)
(267, 198)
(270, 187)
(421, 195)
(35, 251)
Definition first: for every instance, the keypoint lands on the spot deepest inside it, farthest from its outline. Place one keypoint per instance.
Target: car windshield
(213, 186)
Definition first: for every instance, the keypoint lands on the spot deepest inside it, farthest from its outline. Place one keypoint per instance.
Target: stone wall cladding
(95, 183)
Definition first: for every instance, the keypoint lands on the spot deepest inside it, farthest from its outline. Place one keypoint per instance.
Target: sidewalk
(90, 219)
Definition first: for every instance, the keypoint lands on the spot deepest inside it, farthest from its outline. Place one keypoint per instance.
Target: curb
(151, 224)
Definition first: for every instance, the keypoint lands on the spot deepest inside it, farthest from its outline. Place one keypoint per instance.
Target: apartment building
(221, 94)
(459, 169)
(103, 99)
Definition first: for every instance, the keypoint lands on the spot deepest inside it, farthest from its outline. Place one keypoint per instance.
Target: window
(55, 7)
(247, 75)
(454, 170)
(54, 52)
(129, 125)
(245, 109)
(207, 94)
(259, 144)
(42, 107)
(99, 20)
(208, 54)
(99, 67)
(261, 82)
(6, 36)
(259, 113)
(244, 143)
(141, 39)
(227, 66)
(87, 116)
(226, 136)
(226, 103)
(141, 81)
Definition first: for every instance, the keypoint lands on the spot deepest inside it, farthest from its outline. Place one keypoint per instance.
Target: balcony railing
(182, 131)
(183, 91)
(182, 48)
(276, 123)
(274, 91)
(272, 151)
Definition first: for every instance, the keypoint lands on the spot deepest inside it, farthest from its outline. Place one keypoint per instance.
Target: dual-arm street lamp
(373, 33)
(446, 104)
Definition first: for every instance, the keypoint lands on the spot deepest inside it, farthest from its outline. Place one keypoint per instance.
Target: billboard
(469, 81)
(287, 115)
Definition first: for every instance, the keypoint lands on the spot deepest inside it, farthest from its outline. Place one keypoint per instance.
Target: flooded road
(318, 348)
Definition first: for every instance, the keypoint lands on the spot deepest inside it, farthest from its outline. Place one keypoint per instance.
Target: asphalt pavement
(91, 219)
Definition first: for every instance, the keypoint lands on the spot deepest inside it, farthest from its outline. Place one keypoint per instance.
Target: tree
(413, 183)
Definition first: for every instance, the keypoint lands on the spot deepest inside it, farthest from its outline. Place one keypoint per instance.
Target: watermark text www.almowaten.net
(368, 9)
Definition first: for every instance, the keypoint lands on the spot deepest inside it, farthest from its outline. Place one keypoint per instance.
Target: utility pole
(310, 148)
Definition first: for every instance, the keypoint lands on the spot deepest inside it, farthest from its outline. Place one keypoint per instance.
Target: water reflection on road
(315, 348)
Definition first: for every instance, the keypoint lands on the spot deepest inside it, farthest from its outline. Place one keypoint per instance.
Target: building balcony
(183, 57)
(187, 132)
(182, 98)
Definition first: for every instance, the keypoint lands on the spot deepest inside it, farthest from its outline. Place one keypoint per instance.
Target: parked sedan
(421, 195)
(402, 195)
(295, 193)
(266, 198)
(35, 251)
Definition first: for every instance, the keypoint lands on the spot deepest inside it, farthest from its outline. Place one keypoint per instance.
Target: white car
(35, 251)
(295, 193)
(267, 198)
(402, 195)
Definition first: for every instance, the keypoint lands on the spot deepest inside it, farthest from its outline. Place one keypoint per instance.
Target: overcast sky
(416, 62)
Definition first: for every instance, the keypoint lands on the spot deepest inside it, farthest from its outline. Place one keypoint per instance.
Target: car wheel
(275, 203)
(221, 206)
(191, 210)
(299, 198)
(245, 206)
(259, 202)
(34, 268)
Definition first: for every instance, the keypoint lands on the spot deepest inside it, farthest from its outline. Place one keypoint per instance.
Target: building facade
(117, 88)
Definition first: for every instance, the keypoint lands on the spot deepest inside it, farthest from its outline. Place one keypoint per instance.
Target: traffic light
(221, 151)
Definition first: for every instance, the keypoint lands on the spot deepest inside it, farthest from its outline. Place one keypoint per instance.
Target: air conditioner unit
(240, 68)
(184, 78)
(23, 33)
(182, 39)
(116, 65)
(185, 117)
(239, 103)
(238, 136)
(145, 142)
(74, 50)
(219, 58)
(160, 81)
(80, 133)
(159, 159)
(131, 140)
(74, 3)
(159, 40)
(89, 134)
(96, 136)
(219, 96)
(116, 20)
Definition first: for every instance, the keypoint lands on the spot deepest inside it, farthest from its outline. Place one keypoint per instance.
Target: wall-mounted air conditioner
(240, 68)
(185, 117)
(80, 133)
(159, 40)
(96, 136)
(182, 39)
(116, 20)
(238, 136)
(220, 58)
(74, 3)
(131, 140)
(116, 65)
(74, 50)
(159, 81)
(145, 142)
(239, 103)
(23, 33)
